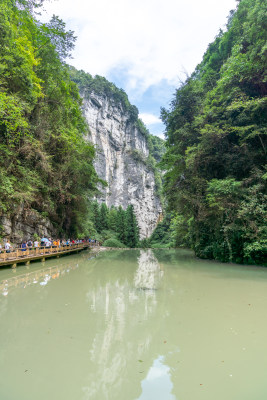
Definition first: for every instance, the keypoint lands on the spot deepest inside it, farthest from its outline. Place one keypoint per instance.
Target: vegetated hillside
(216, 137)
(45, 164)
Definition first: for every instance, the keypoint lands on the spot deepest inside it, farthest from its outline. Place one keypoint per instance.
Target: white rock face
(121, 153)
(149, 273)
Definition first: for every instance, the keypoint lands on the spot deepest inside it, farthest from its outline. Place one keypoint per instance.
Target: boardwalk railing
(13, 256)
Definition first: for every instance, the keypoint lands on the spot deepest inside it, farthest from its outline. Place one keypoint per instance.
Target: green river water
(133, 325)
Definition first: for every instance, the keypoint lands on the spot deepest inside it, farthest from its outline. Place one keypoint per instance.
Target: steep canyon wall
(122, 152)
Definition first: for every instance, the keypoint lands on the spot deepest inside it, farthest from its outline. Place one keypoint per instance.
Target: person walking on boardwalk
(43, 241)
(7, 246)
(23, 246)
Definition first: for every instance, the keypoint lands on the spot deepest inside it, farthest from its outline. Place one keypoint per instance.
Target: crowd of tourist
(42, 243)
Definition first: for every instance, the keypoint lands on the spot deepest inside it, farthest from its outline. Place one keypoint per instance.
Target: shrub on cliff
(113, 243)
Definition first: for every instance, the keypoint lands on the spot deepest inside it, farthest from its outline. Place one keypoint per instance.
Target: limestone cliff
(23, 224)
(122, 152)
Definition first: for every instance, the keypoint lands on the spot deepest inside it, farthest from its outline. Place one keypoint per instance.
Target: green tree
(132, 229)
(104, 216)
(121, 224)
(96, 216)
(112, 219)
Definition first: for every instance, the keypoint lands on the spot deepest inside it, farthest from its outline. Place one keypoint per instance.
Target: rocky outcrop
(24, 224)
(122, 152)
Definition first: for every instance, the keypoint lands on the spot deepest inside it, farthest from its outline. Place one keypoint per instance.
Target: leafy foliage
(45, 163)
(115, 224)
(132, 229)
(113, 243)
(216, 138)
(156, 147)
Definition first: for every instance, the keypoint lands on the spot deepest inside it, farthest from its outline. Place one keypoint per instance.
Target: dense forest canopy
(215, 165)
(45, 164)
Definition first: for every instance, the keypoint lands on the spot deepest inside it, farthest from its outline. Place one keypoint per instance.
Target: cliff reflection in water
(149, 273)
(123, 349)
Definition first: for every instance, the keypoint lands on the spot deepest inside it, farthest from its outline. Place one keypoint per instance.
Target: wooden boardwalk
(18, 256)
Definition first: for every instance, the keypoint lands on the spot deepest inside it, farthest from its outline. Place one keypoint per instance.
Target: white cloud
(154, 40)
(160, 135)
(149, 119)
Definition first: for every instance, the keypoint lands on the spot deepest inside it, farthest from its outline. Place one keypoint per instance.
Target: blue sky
(149, 101)
(145, 47)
